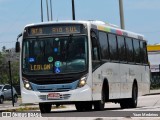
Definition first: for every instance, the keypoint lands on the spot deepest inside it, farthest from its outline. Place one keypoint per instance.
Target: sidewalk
(35, 107)
(152, 92)
(17, 107)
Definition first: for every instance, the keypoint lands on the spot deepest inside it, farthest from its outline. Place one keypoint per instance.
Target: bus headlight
(82, 81)
(26, 84)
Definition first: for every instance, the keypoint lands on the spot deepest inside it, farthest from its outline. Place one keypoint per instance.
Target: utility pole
(73, 10)
(10, 77)
(41, 11)
(121, 14)
(51, 10)
(47, 10)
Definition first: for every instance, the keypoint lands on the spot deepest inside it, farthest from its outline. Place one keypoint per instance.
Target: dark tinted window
(121, 48)
(136, 51)
(144, 57)
(7, 87)
(95, 51)
(113, 47)
(129, 48)
(104, 45)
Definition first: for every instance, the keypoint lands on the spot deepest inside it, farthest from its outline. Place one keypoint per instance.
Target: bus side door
(96, 69)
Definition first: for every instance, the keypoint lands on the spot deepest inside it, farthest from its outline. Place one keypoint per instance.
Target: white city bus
(86, 63)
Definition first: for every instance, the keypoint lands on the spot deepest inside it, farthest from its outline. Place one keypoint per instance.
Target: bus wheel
(134, 99)
(45, 108)
(88, 106)
(83, 106)
(99, 105)
(124, 103)
(79, 106)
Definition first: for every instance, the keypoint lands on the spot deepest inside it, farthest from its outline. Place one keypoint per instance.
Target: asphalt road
(147, 105)
(148, 108)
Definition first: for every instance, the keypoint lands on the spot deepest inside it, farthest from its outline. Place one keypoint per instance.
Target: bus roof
(107, 27)
(97, 25)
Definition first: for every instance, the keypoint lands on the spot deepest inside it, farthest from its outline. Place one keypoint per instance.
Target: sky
(140, 16)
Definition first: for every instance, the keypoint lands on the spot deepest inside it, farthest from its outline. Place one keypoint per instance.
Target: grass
(26, 104)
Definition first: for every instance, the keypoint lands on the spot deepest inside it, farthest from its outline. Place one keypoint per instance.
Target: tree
(1, 58)
(3, 48)
(4, 70)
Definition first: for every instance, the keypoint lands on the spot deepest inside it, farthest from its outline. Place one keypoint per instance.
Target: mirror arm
(17, 48)
(19, 36)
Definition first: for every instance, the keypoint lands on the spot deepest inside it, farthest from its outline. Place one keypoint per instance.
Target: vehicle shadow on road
(69, 111)
(75, 113)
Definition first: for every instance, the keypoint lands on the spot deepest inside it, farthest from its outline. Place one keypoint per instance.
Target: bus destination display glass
(57, 29)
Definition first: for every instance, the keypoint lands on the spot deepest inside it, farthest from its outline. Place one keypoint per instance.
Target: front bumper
(79, 94)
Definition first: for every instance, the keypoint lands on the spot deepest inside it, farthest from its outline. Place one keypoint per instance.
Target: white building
(154, 59)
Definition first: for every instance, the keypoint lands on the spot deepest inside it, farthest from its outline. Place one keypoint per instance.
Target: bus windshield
(56, 55)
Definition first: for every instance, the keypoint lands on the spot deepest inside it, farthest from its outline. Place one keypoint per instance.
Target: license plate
(53, 96)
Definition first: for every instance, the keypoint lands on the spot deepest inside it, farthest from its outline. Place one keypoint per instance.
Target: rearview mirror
(18, 44)
(17, 47)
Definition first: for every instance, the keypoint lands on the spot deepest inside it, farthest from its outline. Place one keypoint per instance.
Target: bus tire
(88, 106)
(130, 102)
(99, 105)
(45, 108)
(79, 107)
(124, 103)
(134, 99)
(83, 106)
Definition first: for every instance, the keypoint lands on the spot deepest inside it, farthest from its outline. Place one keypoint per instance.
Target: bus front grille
(62, 97)
(52, 90)
(43, 81)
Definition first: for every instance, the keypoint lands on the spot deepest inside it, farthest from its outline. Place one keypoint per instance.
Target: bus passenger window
(121, 48)
(129, 48)
(113, 47)
(103, 40)
(137, 55)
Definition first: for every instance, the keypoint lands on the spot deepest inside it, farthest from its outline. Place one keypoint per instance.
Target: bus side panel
(128, 74)
(110, 72)
(97, 84)
(126, 81)
(145, 80)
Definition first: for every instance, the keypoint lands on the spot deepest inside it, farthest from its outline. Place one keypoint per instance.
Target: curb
(17, 108)
(153, 92)
(28, 108)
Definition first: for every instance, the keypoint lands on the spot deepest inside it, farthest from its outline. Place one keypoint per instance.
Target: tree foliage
(3, 49)
(4, 70)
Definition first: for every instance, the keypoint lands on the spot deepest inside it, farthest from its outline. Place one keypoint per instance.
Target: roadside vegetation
(5, 56)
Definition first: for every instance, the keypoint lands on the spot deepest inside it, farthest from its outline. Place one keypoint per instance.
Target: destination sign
(57, 29)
